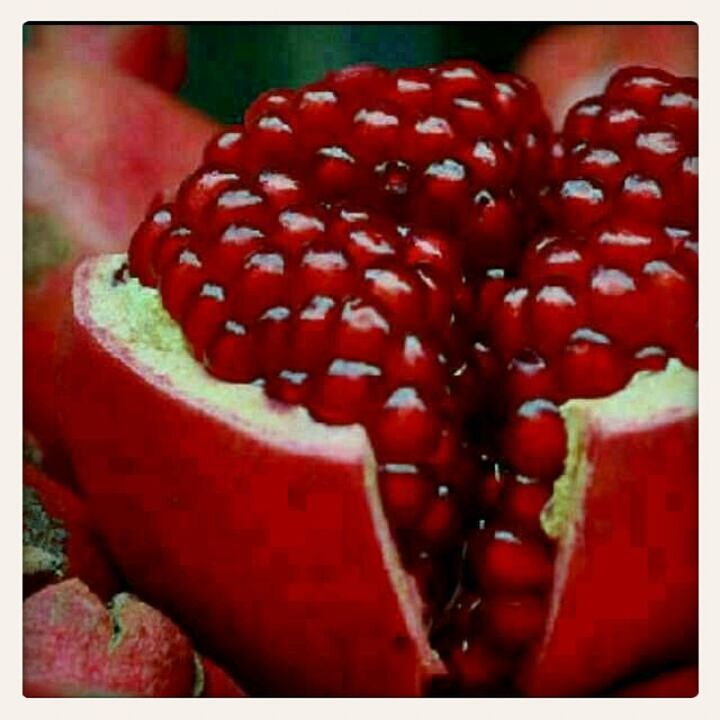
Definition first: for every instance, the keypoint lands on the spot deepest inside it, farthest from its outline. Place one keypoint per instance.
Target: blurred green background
(230, 64)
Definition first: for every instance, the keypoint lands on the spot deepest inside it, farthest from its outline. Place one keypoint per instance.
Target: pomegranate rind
(260, 529)
(625, 592)
(682, 683)
(213, 681)
(154, 53)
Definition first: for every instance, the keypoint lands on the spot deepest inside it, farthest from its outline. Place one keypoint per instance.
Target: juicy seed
(528, 376)
(232, 355)
(406, 428)
(506, 561)
(405, 493)
(346, 392)
(535, 440)
(143, 244)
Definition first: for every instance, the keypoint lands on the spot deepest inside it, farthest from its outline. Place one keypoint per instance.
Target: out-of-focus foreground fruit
(570, 62)
(59, 541)
(154, 53)
(74, 646)
(97, 146)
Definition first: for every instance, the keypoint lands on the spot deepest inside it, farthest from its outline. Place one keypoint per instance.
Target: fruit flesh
(316, 534)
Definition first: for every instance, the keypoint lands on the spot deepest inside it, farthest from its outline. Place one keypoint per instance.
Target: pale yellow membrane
(133, 317)
(649, 397)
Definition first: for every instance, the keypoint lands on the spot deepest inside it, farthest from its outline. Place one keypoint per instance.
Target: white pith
(133, 317)
(650, 400)
(132, 325)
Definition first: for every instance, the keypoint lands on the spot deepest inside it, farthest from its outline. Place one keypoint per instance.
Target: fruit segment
(625, 593)
(270, 537)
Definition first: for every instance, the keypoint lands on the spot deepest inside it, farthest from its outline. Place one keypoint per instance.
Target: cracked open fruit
(375, 405)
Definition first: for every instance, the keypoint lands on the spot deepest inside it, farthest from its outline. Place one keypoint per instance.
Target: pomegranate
(154, 53)
(74, 646)
(357, 411)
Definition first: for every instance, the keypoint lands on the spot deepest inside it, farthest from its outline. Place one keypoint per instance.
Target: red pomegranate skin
(75, 646)
(280, 556)
(681, 683)
(630, 598)
(570, 62)
(217, 683)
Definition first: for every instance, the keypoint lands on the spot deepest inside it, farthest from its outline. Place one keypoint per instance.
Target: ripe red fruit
(638, 505)
(74, 646)
(216, 682)
(535, 439)
(154, 53)
(612, 276)
(387, 308)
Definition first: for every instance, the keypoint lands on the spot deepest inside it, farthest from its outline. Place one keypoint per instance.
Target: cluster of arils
(358, 247)
(341, 311)
(321, 250)
(608, 288)
(452, 147)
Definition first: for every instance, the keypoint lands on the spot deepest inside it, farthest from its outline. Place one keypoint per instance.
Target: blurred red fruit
(570, 62)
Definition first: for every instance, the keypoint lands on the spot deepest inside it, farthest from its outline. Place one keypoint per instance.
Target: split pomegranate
(357, 248)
